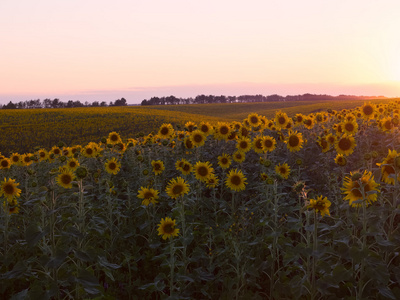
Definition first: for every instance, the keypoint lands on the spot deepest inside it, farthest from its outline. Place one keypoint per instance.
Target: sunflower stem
(314, 260)
(172, 267)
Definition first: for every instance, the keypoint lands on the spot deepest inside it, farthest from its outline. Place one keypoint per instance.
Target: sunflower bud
(140, 158)
(267, 163)
(60, 144)
(81, 172)
(270, 181)
(299, 162)
(367, 156)
(103, 140)
(165, 142)
(145, 172)
(356, 176)
(63, 158)
(34, 184)
(30, 171)
(374, 154)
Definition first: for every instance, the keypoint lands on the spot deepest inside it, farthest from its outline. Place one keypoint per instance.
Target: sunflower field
(305, 206)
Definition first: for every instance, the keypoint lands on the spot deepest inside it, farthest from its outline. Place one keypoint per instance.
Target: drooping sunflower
(177, 187)
(350, 127)
(72, 164)
(258, 144)
(323, 143)
(165, 131)
(341, 160)
(224, 161)
(65, 178)
(320, 205)
(190, 126)
(113, 138)
(188, 143)
(269, 143)
(345, 145)
(360, 188)
(167, 228)
(212, 181)
(254, 119)
(158, 166)
(243, 144)
(5, 163)
(222, 131)
(281, 119)
(282, 170)
(112, 166)
(13, 206)
(298, 119)
(202, 170)
(368, 111)
(331, 139)
(239, 156)
(308, 122)
(388, 170)
(198, 138)
(9, 189)
(294, 141)
(386, 124)
(236, 180)
(149, 195)
(26, 159)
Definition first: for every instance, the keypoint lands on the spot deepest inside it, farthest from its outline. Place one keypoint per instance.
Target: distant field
(22, 130)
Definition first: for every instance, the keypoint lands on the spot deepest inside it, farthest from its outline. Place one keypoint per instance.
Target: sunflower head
(294, 141)
(203, 170)
(360, 188)
(112, 166)
(9, 190)
(158, 166)
(320, 205)
(282, 170)
(113, 138)
(65, 178)
(167, 229)
(224, 161)
(236, 180)
(148, 195)
(177, 187)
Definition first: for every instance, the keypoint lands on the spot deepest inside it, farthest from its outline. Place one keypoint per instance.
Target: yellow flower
(235, 180)
(269, 143)
(198, 138)
(190, 126)
(206, 128)
(89, 151)
(281, 119)
(283, 170)
(5, 163)
(321, 205)
(165, 131)
(386, 124)
(43, 154)
(12, 206)
(9, 189)
(254, 119)
(65, 178)
(212, 181)
(239, 156)
(243, 144)
(258, 144)
(113, 138)
(167, 229)
(388, 167)
(15, 159)
(350, 127)
(26, 159)
(294, 141)
(345, 145)
(148, 195)
(323, 143)
(340, 160)
(158, 166)
(112, 166)
(72, 164)
(56, 151)
(359, 188)
(184, 166)
(202, 170)
(224, 161)
(368, 111)
(222, 131)
(177, 187)
(308, 122)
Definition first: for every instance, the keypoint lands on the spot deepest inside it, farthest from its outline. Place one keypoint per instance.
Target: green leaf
(104, 263)
(33, 235)
(385, 292)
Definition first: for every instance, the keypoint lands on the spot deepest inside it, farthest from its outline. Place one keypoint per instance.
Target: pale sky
(103, 50)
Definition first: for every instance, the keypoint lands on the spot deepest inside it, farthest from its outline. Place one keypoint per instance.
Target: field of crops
(249, 203)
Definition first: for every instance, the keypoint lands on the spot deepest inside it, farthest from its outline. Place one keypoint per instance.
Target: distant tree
(10, 105)
(103, 103)
(95, 104)
(120, 102)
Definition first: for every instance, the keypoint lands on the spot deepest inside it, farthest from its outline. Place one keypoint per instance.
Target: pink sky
(104, 50)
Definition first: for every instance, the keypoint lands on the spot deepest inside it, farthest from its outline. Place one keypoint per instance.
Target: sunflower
(298, 119)
(222, 131)
(66, 151)
(388, 167)
(368, 111)
(112, 166)
(206, 128)
(341, 160)
(167, 229)
(345, 145)
(56, 151)
(5, 163)
(236, 125)
(89, 151)
(386, 124)
(281, 119)
(113, 138)
(65, 178)
(12, 206)
(158, 166)
(184, 166)
(239, 156)
(294, 141)
(269, 143)
(283, 170)
(236, 181)
(308, 122)
(148, 195)
(331, 139)
(212, 181)
(258, 144)
(224, 161)
(9, 189)
(165, 131)
(177, 187)
(72, 164)
(43, 154)
(188, 143)
(202, 170)
(190, 126)
(243, 144)
(15, 159)
(320, 205)
(264, 176)
(359, 188)
(26, 159)
(253, 119)
(232, 136)
(323, 143)
(350, 127)
(198, 138)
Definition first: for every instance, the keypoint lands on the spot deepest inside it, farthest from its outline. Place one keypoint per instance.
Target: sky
(98, 50)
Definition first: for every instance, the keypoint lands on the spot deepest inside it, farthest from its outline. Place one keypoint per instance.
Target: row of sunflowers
(299, 207)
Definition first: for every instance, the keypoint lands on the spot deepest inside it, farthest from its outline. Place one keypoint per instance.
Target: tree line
(204, 99)
(56, 103)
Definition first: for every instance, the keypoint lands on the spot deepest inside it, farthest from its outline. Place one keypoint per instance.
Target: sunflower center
(89, 151)
(157, 167)
(27, 159)
(388, 125)
(307, 122)
(294, 140)
(148, 195)
(189, 144)
(388, 170)
(254, 120)
(114, 137)
(324, 144)
(112, 166)
(66, 178)
(268, 143)
(204, 128)
(320, 205)
(56, 151)
(198, 138)
(8, 189)
(186, 167)
(344, 144)
(4, 163)
(299, 119)
(282, 170)
(236, 180)
(243, 144)
(258, 144)
(42, 154)
(224, 130)
(177, 189)
(202, 171)
(224, 161)
(72, 164)
(281, 120)
(349, 127)
(15, 158)
(368, 110)
(168, 228)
